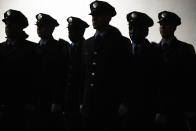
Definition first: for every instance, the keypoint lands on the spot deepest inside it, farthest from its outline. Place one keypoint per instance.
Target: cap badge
(163, 15)
(39, 17)
(95, 5)
(8, 13)
(133, 15)
(70, 19)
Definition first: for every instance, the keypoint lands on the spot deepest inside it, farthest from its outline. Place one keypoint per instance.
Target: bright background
(62, 9)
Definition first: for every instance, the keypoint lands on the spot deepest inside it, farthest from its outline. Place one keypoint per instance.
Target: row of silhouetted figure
(104, 83)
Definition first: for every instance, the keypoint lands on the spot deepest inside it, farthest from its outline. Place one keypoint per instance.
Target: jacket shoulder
(126, 39)
(89, 40)
(186, 46)
(2, 43)
(63, 43)
(29, 44)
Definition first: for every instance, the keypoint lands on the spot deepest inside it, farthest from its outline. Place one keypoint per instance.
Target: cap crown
(76, 22)
(169, 18)
(139, 18)
(102, 8)
(46, 20)
(15, 16)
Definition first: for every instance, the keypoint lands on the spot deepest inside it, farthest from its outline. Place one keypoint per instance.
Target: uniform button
(95, 52)
(91, 84)
(70, 67)
(93, 74)
(68, 84)
(94, 63)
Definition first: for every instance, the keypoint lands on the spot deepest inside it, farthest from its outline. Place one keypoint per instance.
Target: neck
(12, 38)
(77, 40)
(166, 39)
(103, 29)
(138, 41)
(46, 37)
(16, 36)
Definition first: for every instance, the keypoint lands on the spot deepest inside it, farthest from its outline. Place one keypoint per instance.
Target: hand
(30, 107)
(1, 115)
(56, 108)
(81, 107)
(190, 115)
(161, 118)
(122, 110)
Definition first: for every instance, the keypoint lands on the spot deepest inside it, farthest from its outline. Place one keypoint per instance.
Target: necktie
(74, 47)
(165, 46)
(9, 46)
(97, 41)
(136, 50)
(98, 38)
(43, 43)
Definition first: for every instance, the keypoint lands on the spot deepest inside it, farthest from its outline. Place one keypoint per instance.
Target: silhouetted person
(144, 62)
(176, 75)
(52, 73)
(105, 56)
(76, 30)
(18, 65)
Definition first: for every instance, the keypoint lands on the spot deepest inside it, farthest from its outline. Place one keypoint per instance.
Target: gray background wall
(62, 9)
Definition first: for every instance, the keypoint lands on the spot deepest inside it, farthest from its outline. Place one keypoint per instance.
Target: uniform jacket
(52, 72)
(143, 75)
(177, 72)
(105, 68)
(18, 66)
(76, 76)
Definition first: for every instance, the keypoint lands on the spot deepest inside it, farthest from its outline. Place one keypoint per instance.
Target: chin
(164, 35)
(39, 35)
(94, 26)
(131, 36)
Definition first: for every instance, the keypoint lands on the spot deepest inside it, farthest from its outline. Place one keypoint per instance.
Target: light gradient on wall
(62, 9)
